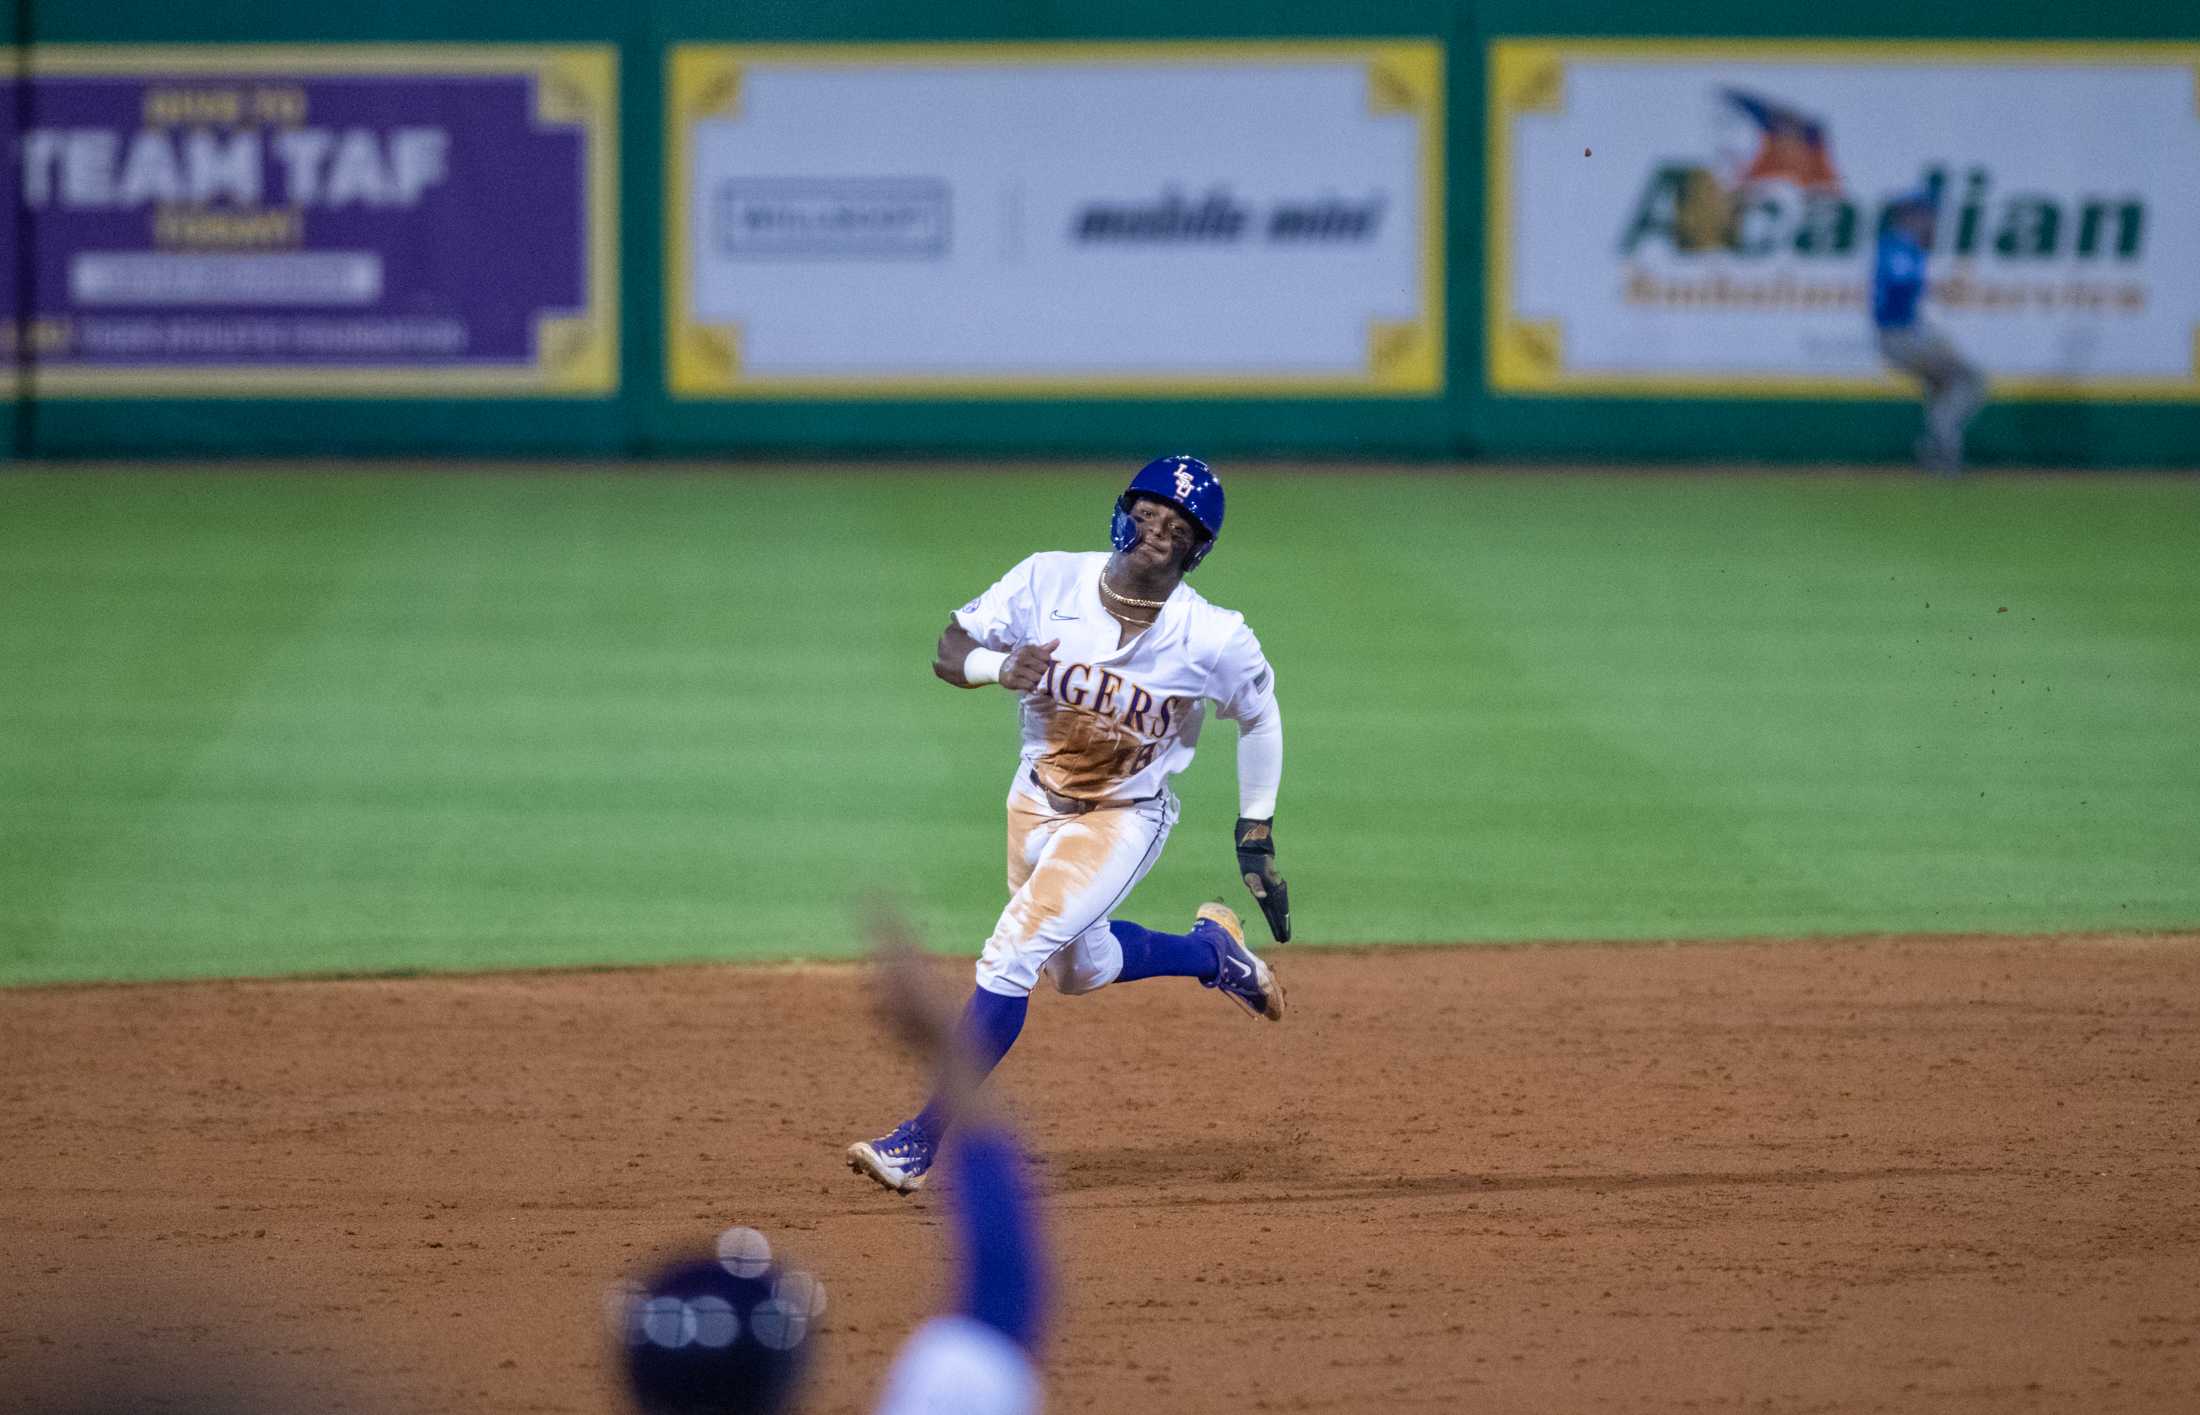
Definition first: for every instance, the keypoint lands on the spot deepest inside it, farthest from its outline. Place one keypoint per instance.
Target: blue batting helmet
(727, 1334)
(1182, 482)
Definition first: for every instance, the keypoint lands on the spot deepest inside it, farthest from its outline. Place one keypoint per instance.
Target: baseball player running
(1114, 659)
(1954, 390)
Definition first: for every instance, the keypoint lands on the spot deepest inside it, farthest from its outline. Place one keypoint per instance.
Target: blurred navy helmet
(1182, 482)
(1915, 199)
(726, 1334)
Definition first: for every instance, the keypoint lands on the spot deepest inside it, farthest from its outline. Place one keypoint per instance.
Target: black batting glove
(1256, 857)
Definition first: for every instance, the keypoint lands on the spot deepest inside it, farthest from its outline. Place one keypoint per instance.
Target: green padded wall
(1465, 421)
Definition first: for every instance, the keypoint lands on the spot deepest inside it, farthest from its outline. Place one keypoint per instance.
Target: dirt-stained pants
(1066, 873)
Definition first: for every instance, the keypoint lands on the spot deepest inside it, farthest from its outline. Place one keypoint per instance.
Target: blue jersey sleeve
(1003, 1278)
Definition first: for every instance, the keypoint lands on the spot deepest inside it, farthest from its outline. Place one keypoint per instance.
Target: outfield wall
(1092, 270)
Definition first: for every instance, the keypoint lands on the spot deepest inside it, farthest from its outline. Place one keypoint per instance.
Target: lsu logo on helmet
(1183, 482)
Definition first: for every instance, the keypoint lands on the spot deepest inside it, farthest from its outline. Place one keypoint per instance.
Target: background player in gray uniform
(1954, 390)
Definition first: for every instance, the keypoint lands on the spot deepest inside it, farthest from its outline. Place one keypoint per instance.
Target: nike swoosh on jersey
(1058, 614)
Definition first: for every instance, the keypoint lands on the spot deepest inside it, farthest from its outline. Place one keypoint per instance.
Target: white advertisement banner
(1063, 220)
(1699, 218)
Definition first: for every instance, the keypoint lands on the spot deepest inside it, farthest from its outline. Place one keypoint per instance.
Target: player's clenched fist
(1256, 856)
(1028, 665)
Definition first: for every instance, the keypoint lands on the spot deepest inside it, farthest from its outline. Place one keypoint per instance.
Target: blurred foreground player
(1113, 659)
(979, 1358)
(1954, 390)
(730, 1335)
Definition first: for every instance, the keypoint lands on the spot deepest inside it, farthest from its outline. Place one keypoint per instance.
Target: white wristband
(983, 665)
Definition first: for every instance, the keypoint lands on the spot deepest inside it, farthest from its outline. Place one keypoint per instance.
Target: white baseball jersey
(1111, 723)
(957, 1366)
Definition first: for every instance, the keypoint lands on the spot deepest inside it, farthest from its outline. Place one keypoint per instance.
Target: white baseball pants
(1066, 874)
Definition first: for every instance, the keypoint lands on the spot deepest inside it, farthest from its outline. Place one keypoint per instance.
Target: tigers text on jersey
(1111, 723)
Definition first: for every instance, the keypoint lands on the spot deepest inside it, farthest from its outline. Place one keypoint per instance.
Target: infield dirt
(1909, 1175)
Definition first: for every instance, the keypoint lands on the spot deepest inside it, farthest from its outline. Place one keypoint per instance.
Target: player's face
(1165, 534)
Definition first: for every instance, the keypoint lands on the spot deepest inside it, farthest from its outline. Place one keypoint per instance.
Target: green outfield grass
(255, 723)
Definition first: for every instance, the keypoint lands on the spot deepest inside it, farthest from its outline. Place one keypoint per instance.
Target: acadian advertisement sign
(1068, 220)
(326, 220)
(1699, 218)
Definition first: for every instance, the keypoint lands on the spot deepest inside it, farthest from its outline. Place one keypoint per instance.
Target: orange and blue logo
(1792, 144)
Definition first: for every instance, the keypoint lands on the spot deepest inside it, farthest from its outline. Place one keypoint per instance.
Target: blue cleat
(899, 1161)
(1239, 973)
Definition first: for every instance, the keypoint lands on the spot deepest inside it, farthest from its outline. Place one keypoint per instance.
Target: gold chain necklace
(1121, 598)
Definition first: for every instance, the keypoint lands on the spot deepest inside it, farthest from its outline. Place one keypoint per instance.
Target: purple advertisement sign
(335, 219)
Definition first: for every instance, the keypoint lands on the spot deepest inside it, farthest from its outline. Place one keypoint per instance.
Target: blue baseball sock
(1147, 954)
(988, 1029)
